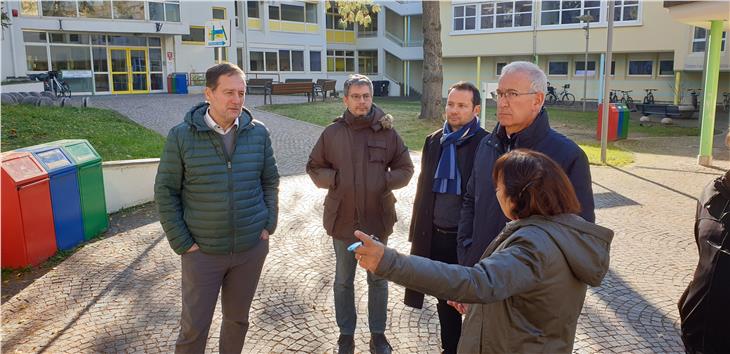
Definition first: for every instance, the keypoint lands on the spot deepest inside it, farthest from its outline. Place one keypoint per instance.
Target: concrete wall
(129, 182)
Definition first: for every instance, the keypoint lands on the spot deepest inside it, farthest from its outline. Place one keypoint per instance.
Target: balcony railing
(401, 42)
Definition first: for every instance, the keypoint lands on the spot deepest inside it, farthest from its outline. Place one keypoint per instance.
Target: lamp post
(587, 18)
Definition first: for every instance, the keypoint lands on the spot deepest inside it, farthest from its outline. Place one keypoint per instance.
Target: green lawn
(113, 136)
(414, 130)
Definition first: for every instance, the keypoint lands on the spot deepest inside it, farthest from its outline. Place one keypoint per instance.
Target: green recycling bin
(91, 184)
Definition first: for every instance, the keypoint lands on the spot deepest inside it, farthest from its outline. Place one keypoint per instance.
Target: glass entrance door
(129, 70)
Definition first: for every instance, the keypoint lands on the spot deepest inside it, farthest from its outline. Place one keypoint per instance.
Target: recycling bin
(28, 236)
(181, 83)
(65, 198)
(170, 83)
(623, 122)
(91, 184)
(613, 119)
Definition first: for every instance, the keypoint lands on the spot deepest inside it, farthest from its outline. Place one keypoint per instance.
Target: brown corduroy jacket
(360, 162)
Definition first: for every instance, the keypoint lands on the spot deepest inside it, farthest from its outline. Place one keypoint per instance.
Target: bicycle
(612, 96)
(565, 97)
(626, 98)
(726, 101)
(649, 98)
(52, 83)
(695, 97)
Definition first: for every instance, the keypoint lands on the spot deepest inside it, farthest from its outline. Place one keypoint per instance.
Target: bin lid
(79, 150)
(22, 167)
(53, 159)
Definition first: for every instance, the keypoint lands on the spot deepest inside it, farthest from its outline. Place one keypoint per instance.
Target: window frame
(567, 67)
(344, 56)
(368, 59)
(225, 13)
(659, 67)
(628, 67)
(595, 68)
(183, 41)
(497, 69)
(319, 54)
(703, 40)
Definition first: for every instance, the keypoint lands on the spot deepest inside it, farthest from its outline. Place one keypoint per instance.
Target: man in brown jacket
(360, 159)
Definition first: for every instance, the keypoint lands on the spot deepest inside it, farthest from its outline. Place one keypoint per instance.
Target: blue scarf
(447, 178)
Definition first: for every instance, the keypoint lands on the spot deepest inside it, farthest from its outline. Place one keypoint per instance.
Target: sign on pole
(218, 33)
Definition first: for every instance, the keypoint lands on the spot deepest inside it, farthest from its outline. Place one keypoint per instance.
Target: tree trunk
(433, 77)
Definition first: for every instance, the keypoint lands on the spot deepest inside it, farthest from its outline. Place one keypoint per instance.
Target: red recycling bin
(28, 236)
(613, 117)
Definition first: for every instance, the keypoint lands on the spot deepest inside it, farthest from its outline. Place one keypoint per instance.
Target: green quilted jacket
(204, 196)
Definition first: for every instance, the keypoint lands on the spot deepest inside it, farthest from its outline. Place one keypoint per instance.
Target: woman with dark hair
(527, 291)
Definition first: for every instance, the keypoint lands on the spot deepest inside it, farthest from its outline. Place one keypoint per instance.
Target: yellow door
(130, 72)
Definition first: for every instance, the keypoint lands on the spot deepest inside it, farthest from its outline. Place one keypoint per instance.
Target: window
(70, 58)
(284, 61)
(465, 17)
(252, 9)
(561, 12)
(196, 36)
(640, 67)
(128, 10)
(699, 40)
(500, 66)
(613, 67)
(340, 61)
(29, 7)
(36, 57)
(155, 62)
(274, 13)
(558, 68)
(219, 13)
(627, 10)
(127, 41)
(367, 61)
(100, 62)
(297, 60)
(95, 9)
(59, 8)
(71, 38)
(372, 28)
(310, 13)
(333, 19)
(271, 61)
(240, 61)
(666, 67)
(167, 11)
(35, 37)
(215, 54)
(315, 60)
(580, 68)
(256, 61)
(292, 13)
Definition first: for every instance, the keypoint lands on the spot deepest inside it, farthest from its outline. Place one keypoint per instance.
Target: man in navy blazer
(523, 123)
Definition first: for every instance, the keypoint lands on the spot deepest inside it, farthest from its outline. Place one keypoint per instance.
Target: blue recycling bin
(65, 197)
(181, 83)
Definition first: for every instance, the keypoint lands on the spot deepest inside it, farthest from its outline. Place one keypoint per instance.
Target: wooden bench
(323, 86)
(298, 80)
(258, 84)
(288, 89)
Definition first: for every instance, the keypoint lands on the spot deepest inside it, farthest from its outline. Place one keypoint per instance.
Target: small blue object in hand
(354, 246)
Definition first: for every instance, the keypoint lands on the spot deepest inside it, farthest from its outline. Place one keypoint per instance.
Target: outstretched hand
(370, 253)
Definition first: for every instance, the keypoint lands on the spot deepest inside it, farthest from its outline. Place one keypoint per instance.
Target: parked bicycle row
(53, 83)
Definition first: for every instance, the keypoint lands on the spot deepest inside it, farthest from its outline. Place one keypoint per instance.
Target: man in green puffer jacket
(217, 193)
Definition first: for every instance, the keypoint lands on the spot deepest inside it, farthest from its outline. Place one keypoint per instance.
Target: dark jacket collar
(371, 120)
(196, 118)
(527, 138)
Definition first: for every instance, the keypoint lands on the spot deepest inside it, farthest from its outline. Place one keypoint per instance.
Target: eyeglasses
(509, 95)
(357, 97)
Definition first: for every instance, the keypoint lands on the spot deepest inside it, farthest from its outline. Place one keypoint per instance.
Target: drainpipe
(677, 87)
(712, 74)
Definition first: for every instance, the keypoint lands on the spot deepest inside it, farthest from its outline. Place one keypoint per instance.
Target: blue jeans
(345, 311)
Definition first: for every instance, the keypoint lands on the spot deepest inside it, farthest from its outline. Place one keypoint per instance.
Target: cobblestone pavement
(122, 293)
(292, 140)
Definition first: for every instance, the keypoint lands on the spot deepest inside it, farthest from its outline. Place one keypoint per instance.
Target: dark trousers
(203, 277)
(443, 248)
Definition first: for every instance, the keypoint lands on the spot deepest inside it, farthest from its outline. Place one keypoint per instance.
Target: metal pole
(585, 68)
(607, 80)
(220, 55)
